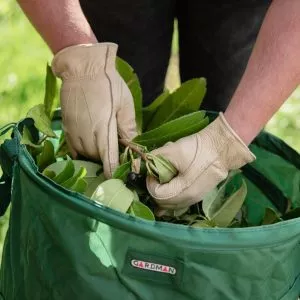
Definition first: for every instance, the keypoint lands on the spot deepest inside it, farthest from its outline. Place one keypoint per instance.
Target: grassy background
(22, 70)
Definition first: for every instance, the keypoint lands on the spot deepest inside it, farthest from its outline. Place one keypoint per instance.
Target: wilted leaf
(185, 100)
(50, 92)
(224, 216)
(41, 120)
(138, 209)
(132, 81)
(114, 194)
(46, 157)
(173, 130)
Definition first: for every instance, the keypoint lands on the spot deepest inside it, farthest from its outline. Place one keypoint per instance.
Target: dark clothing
(215, 38)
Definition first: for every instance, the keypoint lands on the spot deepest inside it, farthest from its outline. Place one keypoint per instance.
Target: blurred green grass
(22, 71)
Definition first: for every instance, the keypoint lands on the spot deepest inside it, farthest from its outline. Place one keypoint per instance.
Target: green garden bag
(61, 246)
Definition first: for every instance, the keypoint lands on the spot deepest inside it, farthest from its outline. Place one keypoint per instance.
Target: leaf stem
(134, 148)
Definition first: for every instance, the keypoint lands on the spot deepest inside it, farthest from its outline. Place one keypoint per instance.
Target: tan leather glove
(203, 161)
(95, 101)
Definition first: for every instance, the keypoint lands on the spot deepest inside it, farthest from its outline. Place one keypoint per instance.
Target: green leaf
(62, 149)
(93, 176)
(69, 183)
(138, 209)
(122, 171)
(186, 99)
(27, 139)
(270, 217)
(132, 81)
(66, 173)
(173, 130)
(67, 179)
(80, 186)
(92, 169)
(49, 174)
(114, 194)
(93, 183)
(225, 215)
(41, 120)
(214, 200)
(161, 168)
(135, 196)
(46, 157)
(150, 110)
(203, 224)
(50, 92)
(124, 157)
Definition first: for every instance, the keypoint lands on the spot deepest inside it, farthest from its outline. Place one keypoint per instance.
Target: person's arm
(204, 159)
(60, 22)
(273, 71)
(96, 103)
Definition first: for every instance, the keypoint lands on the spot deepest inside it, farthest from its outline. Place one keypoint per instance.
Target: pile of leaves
(168, 118)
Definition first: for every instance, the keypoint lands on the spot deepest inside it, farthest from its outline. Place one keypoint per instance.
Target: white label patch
(140, 264)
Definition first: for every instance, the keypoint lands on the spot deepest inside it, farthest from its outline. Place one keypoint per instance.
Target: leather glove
(203, 160)
(95, 101)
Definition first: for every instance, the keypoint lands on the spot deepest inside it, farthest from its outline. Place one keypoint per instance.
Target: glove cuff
(84, 60)
(238, 154)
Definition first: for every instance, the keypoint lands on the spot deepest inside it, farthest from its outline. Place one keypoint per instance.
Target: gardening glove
(203, 160)
(95, 101)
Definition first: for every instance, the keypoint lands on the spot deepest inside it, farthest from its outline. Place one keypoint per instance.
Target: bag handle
(269, 189)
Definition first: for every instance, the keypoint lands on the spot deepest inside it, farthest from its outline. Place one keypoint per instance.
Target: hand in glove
(95, 101)
(203, 160)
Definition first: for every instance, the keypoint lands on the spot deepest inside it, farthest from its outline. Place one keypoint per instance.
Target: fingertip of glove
(151, 184)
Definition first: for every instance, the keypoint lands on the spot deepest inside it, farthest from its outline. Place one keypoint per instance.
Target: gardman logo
(140, 264)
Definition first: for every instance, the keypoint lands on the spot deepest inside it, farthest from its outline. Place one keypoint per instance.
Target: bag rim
(240, 238)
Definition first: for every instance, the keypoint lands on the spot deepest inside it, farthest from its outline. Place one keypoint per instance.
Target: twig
(134, 148)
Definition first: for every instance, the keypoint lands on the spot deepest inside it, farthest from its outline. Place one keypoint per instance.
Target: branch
(134, 148)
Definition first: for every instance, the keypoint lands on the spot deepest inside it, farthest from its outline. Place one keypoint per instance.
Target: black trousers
(215, 38)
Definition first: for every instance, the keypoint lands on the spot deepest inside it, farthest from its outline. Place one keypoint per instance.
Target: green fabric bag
(61, 245)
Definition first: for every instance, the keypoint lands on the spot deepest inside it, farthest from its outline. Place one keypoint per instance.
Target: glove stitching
(112, 106)
(87, 105)
(119, 130)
